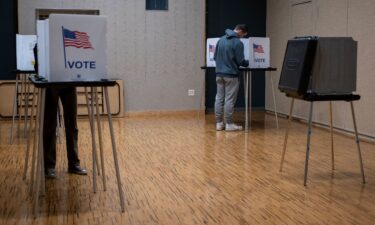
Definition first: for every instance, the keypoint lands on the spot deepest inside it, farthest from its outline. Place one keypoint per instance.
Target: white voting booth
(24, 52)
(72, 47)
(256, 50)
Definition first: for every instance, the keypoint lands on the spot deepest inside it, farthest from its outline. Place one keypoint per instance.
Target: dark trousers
(68, 97)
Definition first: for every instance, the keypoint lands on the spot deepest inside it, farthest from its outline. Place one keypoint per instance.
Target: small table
(42, 84)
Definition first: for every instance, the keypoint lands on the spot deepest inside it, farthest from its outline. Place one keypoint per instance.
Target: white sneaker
(220, 126)
(232, 127)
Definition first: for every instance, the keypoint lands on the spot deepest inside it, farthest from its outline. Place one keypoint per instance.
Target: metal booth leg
(308, 143)
(14, 108)
(100, 139)
(35, 142)
(286, 134)
(331, 131)
(91, 121)
(20, 104)
(357, 141)
(26, 108)
(29, 135)
(93, 140)
(249, 95)
(40, 158)
(121, 194)
(202, 97)
(274, 102)
(246, 88)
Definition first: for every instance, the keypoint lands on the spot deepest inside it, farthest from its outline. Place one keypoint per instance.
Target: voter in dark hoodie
(229, 56)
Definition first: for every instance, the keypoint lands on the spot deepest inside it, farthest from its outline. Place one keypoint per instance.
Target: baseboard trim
(162, 113)
(338, 130)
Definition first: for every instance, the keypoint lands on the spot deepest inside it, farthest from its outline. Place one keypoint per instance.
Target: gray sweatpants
(226, 97)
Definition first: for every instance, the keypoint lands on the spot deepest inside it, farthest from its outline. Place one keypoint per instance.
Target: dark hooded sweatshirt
(229, 55)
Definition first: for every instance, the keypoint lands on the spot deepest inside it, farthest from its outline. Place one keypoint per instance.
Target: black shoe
(50, 173)
(77, 170)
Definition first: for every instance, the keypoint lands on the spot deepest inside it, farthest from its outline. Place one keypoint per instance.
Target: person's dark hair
(241, 27)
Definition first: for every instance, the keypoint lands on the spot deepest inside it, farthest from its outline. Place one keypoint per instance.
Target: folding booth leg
(274, 102)
(331, 131)
(20, 104)
(121, 194)
(249, 78)
(91, 121)
(100, 138)
(29, 136)
(93, 141)
(308, 143)
(40, 164)
(246, 88)
(14, 108)
(357, 141)
(286, 134)
(35, 142)
(202, 97)
(26, 108)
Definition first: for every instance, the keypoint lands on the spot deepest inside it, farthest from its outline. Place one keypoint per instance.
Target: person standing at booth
(229, 56)
(68, 97)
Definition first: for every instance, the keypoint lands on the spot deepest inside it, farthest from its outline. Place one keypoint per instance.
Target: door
(224, 14)
(8, 24)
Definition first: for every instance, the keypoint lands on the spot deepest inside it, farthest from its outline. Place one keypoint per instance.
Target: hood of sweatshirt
(230, 34)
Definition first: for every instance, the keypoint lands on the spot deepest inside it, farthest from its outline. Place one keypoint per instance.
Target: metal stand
(247, 78)
(308, 143)
(357, 142)
(331, 131)
(247, 86)
(90, 112)
(286, 135)
(309, 140)
(29, 134)
(38, 187)
(274, 102)
(20, 99)
(100, 138)
(40, 157)
(121, 194)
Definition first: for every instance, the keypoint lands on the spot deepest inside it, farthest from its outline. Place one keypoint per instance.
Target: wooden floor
(179, 170)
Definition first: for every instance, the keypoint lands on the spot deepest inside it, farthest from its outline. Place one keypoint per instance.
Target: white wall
(158, 54)
(352, 18)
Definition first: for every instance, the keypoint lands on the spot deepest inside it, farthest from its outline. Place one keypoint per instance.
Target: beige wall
(355, 18)
(158, 54)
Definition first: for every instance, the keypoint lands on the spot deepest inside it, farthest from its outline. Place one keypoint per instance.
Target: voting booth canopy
(256, 50)
(72, 47)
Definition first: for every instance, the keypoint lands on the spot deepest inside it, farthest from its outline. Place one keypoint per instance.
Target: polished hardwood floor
(179, 170)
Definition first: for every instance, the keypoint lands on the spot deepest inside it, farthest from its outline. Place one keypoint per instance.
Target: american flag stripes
(76, 39)
(258, 48)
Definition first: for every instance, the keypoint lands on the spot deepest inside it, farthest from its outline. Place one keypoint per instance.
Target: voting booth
(320, 66)
(317, 69)
(256, 50)
(71, 54)
(72, 47)
(24, 52)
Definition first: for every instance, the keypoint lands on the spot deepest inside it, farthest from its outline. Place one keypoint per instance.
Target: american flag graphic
(258, 48)
(76, 39)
